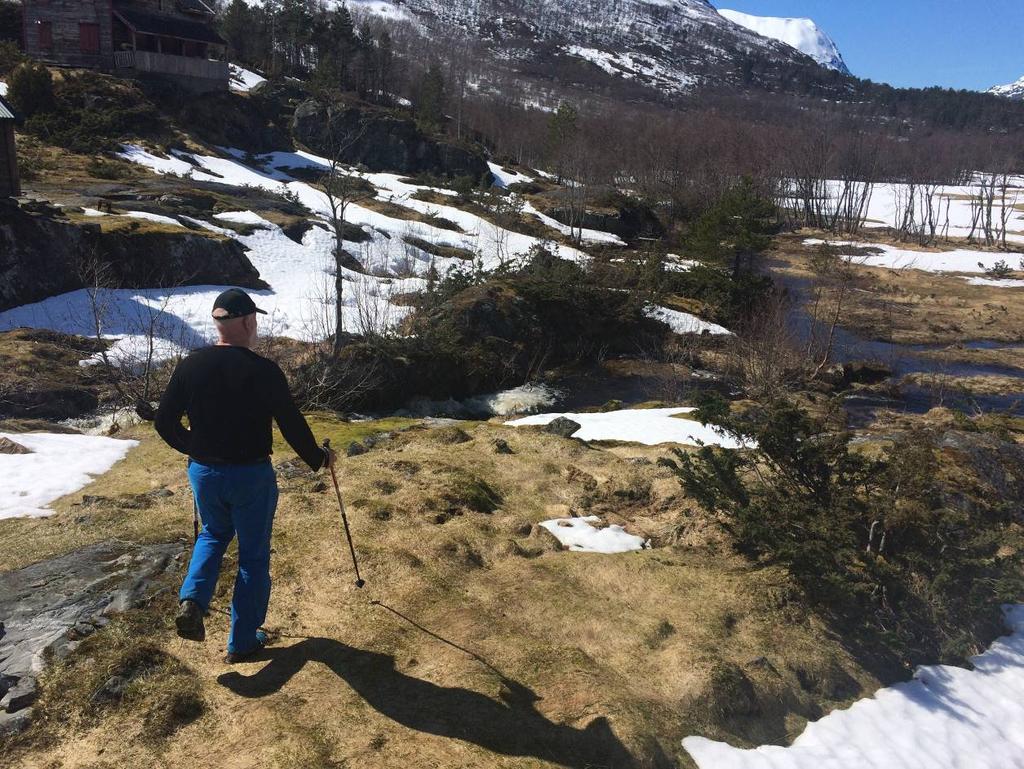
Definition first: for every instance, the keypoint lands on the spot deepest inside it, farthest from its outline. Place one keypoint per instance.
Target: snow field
(580, 535)
(959, 260)
(945, 718)
(300, 275)
(59, 465)
(802, 34)
(651, 427)
(888, 201)
(632, 65)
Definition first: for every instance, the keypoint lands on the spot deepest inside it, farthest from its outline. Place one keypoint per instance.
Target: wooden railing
(166, 64)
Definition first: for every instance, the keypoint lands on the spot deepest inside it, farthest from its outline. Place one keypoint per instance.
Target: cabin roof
(195, 6)
(146, 23)
(6, 110)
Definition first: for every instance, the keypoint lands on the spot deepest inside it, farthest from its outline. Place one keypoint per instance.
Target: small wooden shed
(9, 182)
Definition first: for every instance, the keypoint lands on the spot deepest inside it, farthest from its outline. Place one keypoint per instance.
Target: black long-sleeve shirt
(230, 394)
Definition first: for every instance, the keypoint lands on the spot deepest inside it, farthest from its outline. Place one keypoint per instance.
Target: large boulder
(563, 427)
(43, 254)
(381, 141)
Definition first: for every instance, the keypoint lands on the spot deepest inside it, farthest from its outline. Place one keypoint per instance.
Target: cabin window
(89, 37)
(45, 35)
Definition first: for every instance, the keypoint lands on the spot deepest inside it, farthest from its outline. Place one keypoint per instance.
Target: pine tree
(432, 99)
(563, 126)
(737, 229)
(237, 26)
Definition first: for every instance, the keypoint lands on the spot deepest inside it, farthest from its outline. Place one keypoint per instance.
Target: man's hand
(330, 457)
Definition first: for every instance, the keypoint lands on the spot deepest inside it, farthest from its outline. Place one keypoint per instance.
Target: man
(230, 395)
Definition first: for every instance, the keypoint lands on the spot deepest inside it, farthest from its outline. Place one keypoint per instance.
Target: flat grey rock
(51, 605)
(14, 723)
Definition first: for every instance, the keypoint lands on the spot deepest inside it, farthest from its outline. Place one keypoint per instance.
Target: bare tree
(342, 187)
(834, 277)
(139, 370)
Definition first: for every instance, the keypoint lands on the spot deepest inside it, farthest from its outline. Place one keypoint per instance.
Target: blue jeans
(234, 499)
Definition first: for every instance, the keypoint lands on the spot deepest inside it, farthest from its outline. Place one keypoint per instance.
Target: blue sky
(955, 43)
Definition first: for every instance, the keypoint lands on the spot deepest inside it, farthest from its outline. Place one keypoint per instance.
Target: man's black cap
(234, 303)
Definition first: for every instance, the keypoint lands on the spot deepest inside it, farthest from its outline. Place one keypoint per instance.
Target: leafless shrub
(766, 355)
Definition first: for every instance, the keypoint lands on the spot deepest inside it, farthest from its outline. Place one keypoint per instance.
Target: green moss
(341, 434)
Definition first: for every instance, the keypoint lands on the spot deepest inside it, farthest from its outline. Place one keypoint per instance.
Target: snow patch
(244, 80)
(998, 282)
(581, 536)
(945, 717)
(503, 178)
(59, 465)
(153, 218)
(684, 322)
(958, 260)
(651, 427)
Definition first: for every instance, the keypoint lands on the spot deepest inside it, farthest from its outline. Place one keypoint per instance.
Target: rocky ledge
(43, 254)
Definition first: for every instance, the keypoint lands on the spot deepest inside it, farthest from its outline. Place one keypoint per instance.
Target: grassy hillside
(683, 638)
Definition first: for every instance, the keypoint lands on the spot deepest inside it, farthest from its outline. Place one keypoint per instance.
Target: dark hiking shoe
(252, 655)
(190, 621)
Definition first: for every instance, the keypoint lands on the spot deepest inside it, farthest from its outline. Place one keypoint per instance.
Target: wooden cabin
(166, 38)
(9, 183)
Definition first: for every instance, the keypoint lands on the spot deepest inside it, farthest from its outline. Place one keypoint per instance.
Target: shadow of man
(512, 727)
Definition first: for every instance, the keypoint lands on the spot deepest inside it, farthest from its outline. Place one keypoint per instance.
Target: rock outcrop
(381, 141)
(43, 254)
(41, 378)
(49, 607)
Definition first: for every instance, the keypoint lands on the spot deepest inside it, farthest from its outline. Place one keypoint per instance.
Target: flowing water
(903, 360)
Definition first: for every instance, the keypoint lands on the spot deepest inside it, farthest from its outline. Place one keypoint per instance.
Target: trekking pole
(344, 519)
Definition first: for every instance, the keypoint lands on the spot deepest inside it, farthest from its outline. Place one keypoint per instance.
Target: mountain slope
(802, 34)
(672, 45)
(1013, 90)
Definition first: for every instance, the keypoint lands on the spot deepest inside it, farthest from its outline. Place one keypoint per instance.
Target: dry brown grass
(683, 638)
(396, 211)
(977, 385)
(917, 307)
(1004, 357)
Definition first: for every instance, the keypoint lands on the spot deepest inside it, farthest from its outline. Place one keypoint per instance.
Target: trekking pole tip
(360, 583)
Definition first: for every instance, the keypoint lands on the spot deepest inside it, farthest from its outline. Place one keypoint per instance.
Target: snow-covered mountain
(802, 34)
(670, 45)
(1013, 90)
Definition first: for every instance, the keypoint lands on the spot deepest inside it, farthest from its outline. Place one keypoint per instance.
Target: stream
(902, 360)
